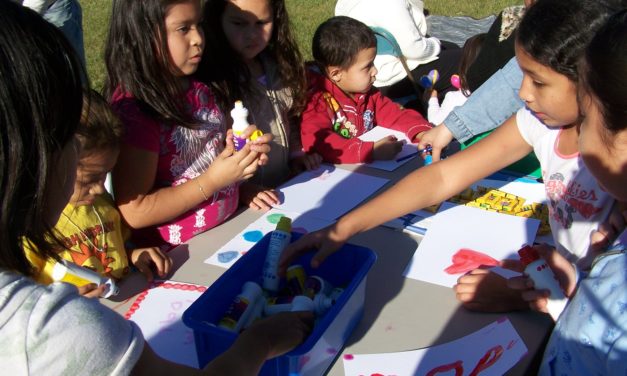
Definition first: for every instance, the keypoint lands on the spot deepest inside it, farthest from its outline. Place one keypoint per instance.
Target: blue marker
(419, 151)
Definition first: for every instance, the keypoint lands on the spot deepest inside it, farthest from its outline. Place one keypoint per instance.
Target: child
(548, 124)
(436, 113)
(175, 178)
(590, 337)
(50, 330)
(90, 226)
(342, 102)
(252, 56)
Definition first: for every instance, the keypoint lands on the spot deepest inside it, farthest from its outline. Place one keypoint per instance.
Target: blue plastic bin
(348, 267)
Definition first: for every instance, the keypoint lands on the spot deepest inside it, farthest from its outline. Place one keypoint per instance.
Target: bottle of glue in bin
(239, 113)
(543, 278)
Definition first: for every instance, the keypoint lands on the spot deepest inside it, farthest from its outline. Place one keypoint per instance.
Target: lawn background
(305, 16)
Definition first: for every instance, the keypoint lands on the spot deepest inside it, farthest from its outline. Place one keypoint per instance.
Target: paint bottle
(279, 239)
(543, 278)
(237, 314)
(256, 312)
(296, 277)
(297, 304)
(66, 271)
(316, 285)
(239, 113)
(322, 304)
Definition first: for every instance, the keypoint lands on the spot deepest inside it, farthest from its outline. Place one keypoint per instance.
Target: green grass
(305, 16)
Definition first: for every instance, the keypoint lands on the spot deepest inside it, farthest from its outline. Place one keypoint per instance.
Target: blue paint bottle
(279, 239)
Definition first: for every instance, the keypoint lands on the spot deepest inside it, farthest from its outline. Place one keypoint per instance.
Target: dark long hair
(228, 74)
(604, 72)
(41, 96)
(138, 59)
(556, 32)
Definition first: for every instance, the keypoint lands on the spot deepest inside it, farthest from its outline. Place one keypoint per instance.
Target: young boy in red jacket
(343, 104)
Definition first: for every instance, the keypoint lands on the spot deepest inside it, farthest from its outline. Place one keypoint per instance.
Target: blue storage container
(347, 267)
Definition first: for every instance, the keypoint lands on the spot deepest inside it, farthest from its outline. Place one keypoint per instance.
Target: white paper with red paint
(158, 311)
(492, 350)
(463, 238)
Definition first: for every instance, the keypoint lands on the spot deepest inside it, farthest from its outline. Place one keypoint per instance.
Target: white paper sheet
(405, 155)
(158, 311)
(328, 192)
(492, 350)
(462, 238)
(232, 251)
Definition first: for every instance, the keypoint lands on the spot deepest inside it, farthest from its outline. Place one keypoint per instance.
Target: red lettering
(457, 366)
(488, 360)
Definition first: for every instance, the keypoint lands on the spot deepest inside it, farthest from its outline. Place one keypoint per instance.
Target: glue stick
(66, 271)
(543, 278)
(239, 113)
(236, 316)
(279, 239)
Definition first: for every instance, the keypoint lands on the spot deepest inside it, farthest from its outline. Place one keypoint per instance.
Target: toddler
(342, 102)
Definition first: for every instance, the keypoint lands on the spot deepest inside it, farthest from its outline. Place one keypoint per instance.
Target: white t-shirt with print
(50, 330)
(577, 205)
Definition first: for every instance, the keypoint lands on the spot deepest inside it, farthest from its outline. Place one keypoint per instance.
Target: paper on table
(328, 192)
(158, 310)
(228, 254)
(377, 133)
(462, 238)
(492, 350)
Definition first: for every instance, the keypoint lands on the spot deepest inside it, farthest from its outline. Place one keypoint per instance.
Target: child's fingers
(144, 268)
(261, 203)
(91, 290)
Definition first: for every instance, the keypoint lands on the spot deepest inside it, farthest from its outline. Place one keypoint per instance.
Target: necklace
(99, 249)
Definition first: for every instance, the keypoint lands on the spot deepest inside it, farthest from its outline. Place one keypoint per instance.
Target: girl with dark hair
(174, 177)
(590, 337)
(252, 56)
(549, 45)
(52, 330)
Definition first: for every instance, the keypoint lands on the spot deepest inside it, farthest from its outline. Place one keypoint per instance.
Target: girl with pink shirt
(178, 173)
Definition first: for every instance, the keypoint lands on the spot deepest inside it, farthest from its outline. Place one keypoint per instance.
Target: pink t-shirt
(184, 154)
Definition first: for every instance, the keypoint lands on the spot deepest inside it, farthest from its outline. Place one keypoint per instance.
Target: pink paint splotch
(466, 260)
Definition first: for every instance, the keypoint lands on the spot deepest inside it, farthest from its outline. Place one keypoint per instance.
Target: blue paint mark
(226, 257)
(253, 236)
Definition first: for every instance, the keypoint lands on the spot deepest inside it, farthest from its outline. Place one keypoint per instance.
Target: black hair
(41, 97)
(101, 129)
(229, 76)
(556, 32)
(604, 71)
(138, 61)
(338, 41)
(470, 51)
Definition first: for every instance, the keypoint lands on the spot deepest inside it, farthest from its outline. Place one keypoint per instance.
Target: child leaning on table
(590, 337)
(343, 104)
(90, 227)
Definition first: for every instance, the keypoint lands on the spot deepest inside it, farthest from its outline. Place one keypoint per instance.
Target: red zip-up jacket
(332, 121)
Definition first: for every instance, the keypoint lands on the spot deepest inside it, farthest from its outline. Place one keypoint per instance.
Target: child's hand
(484, 291)
(260, 144)
(231, 166)
(91, 290)
(145, 258)
(386, 148)
(604, 235)
(438, 137)
(305, 162)
(434, 93)
(564, 272)
(257, 197)
(280, 333)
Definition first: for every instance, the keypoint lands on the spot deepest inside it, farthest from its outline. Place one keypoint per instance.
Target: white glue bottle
(239, 113)
(543, 279)
(279, 239)
(236, 316)
(297, 304)
(66, 271)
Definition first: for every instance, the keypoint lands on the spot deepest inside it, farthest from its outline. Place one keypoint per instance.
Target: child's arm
(434, 111)
(142, 206)
(145, 258)
(435, 183)
(318, 136)
(392, 115)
